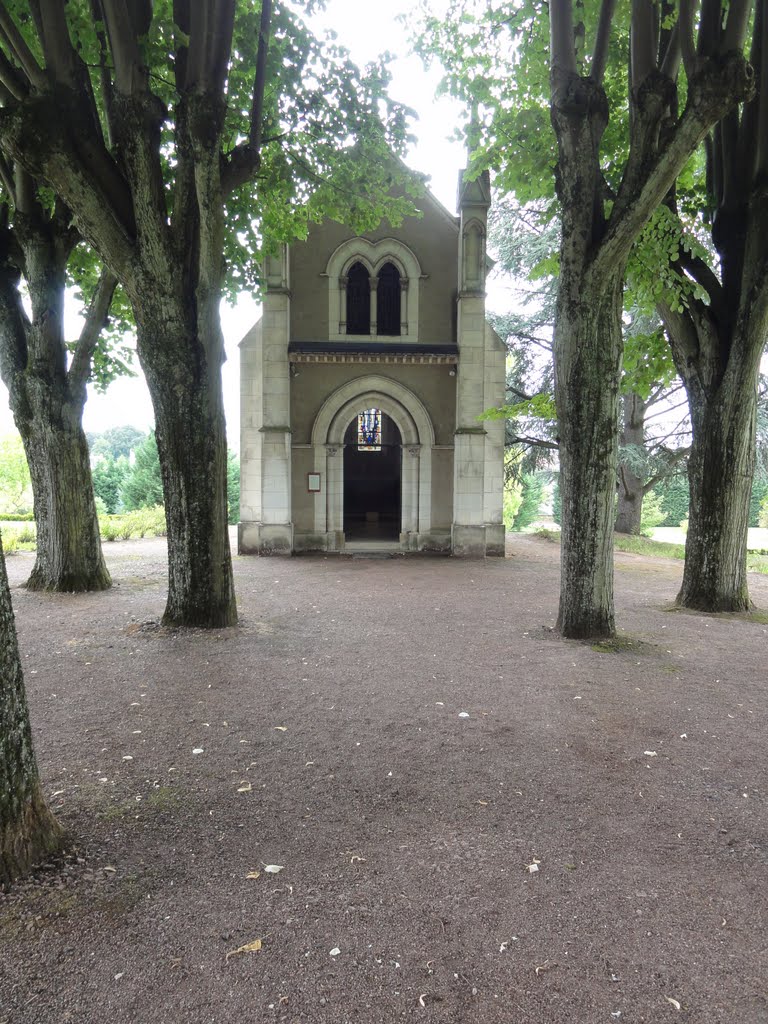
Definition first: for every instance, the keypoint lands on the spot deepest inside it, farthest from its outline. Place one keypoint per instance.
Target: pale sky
(127, 400)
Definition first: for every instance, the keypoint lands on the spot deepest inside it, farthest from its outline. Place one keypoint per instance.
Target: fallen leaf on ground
(253, 874)
(244, 787)
(335, 951)
(650, 753)
(249, 947)
(273, 869)
(280, 728)
(674, 1002)
(197, 750)
(546, 966)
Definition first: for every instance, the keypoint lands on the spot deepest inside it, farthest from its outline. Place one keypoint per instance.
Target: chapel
(363, 387)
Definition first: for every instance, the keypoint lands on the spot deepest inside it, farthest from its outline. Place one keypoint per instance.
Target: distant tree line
(127, 476)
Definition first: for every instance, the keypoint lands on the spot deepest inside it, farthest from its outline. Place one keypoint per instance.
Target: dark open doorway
(372, 474)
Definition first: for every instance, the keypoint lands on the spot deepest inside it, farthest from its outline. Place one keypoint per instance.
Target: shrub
(108, 528)
(10, 541)
(27, 534)
(532, 497)
(762, 518)
(652, 514)
(142, 522)
(757, 500)
(511, 503)
(674, 499)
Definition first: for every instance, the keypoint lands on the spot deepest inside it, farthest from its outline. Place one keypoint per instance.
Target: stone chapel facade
(362, 386)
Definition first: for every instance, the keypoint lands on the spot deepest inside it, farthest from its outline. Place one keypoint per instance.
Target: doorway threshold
(372, 548)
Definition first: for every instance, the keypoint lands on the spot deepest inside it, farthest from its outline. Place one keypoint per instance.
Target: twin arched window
(360, 287)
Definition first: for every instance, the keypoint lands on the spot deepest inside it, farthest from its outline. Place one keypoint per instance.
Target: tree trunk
(720, 471)
(630, 487)
(588, 348)
(47, 402)
(69, 555)
(184, 381)
(28, 831)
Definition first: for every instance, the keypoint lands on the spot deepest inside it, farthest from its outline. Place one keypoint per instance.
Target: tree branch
(561, 36)
(10, 78)
(602, 40)
(123, 31)
(642, 38)
(60, 57)
(257, 103)
(715, 90)
(735, 34)
(21, 51)
(687, 48)
(95, 318)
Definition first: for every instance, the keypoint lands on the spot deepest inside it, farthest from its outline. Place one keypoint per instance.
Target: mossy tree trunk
(28, 831)
(718, 336)
(48, 396)
(595, 243)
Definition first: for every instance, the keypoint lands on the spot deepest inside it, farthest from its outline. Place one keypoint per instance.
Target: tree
(15, 484)
(28, 830)
(532, 497)
(647, 455)
(717, 320)
(142, 485)
(525, 239)
(607, 189)
(148, 121)
(47, 388)
(108, 476)
(116, 442)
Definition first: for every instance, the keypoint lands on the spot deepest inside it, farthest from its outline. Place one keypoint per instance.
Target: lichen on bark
(28, 831)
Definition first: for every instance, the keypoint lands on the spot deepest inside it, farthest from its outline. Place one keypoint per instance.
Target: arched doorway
(372, 477)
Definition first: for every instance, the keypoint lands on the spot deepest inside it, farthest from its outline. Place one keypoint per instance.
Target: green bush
(674, 499)
(532, 497)
(108, 528)
(762, 517)
(27, 534)
(142, 485)
(512, 498)
(758, 497)
(233, 488)
(652, 514)
(142, 522)
(17, 517)
(10, 541)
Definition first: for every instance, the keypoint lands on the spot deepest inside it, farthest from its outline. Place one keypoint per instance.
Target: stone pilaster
(265, 447)
(478, 453)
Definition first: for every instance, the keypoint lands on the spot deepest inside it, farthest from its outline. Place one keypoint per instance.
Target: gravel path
(474, 820)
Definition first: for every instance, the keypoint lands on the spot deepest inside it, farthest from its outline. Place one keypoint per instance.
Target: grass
(620, 644)
(756, 561)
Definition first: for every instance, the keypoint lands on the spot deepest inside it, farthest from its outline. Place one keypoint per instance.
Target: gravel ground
(474, 820)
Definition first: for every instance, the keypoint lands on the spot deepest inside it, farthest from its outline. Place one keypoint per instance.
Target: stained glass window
(369, 431)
